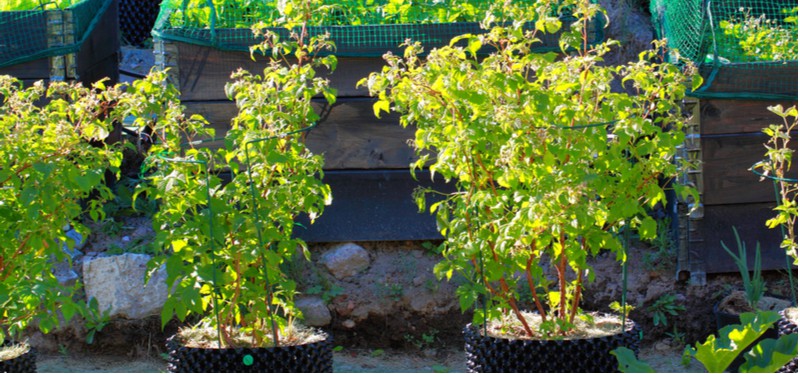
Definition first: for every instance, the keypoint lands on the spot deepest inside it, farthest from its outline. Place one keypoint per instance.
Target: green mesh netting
(360, 28)
(26, 34)
(745, 48)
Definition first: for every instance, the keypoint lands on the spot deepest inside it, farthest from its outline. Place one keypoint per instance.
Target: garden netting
(745, 48)
(360, 28)
(34, 29)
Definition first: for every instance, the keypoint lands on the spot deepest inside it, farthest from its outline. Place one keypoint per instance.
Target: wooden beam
(374, 205)
(349, 135)
(203, 72)
(98, 56)
(749, 220)
(726, 178)
(720, 116)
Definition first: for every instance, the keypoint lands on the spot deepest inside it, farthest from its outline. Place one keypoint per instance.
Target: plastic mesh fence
(360, 28)
(29, 31)
(745, 48)
(136, 20)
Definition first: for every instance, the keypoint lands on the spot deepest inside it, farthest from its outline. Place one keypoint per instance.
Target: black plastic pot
(786, 327)
(307, 358)
(488, 354)
(22, 364)
(724, 319)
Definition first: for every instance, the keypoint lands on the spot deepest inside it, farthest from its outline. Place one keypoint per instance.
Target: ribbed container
(786, 327)
(497, 355)
(308, 358)
(22, 364)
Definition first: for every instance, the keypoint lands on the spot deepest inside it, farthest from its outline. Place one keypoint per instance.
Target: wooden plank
(203, 72)
(756, 78)
(31, 70)
(98, 56)
(726, 178)
(349, 135)
(719, 116)
(749, 221)
(375, 205)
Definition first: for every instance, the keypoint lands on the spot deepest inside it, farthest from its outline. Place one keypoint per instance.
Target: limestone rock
(315, 312)
(346, 260)
(117, 282)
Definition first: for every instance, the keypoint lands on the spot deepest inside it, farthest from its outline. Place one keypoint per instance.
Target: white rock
(346, 260)
(315, 312)
(117, 282)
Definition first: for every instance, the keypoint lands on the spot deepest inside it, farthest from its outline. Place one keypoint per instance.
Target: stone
(349, 324)
(73, 249)
(117, 282)
(64, 274)
(346, 260)
(315, 312)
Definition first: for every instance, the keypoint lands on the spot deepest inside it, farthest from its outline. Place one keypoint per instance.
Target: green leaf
(380, 105)
(769, 355)
(628, 363)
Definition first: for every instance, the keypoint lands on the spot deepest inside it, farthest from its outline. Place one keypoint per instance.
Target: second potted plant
(227, 244)
(552, 167)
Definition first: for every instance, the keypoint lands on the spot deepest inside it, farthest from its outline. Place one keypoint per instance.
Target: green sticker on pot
(247, 360)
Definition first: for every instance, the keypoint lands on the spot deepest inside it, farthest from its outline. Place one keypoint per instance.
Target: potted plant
(551, 165)
(225, 245)
(50, 175)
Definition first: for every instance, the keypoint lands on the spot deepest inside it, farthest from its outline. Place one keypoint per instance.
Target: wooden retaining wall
(366, 159)
(97, 58)
(730, 142)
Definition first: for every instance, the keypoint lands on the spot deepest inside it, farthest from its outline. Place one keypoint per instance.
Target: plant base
(308, 358)
(488, 354)
(26, 363)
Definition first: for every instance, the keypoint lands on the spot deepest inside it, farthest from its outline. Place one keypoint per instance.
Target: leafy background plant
(244, 13)
(53, 167)
(548, 161)
(17, 5)
(225, 245)
(759, 38)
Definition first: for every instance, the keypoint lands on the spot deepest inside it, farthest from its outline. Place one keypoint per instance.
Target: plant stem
(532, 287)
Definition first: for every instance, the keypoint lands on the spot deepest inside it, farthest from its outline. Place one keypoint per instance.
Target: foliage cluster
(224, 245)
(754, 286)
(244, 13)
(52, 171)
(18, 5)
(719, 351)
(777, 167)
(759, 38)
(550, 163)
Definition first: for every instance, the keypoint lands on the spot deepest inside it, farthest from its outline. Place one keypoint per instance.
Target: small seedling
(377, 353)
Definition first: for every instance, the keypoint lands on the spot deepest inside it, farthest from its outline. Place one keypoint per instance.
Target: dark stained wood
(31, 70)
(720, 116)
(749, 221)
(374, 205)
(726, 178)
(98, 56)
(348, 135)
(758, 78)
(205, 70)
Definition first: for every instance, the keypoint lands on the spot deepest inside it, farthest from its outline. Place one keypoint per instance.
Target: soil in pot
(17, 358)
(314, 354)
(494, 350)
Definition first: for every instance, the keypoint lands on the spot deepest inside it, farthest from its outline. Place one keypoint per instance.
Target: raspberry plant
(224, 244)
(53, 166)
(550, 162)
